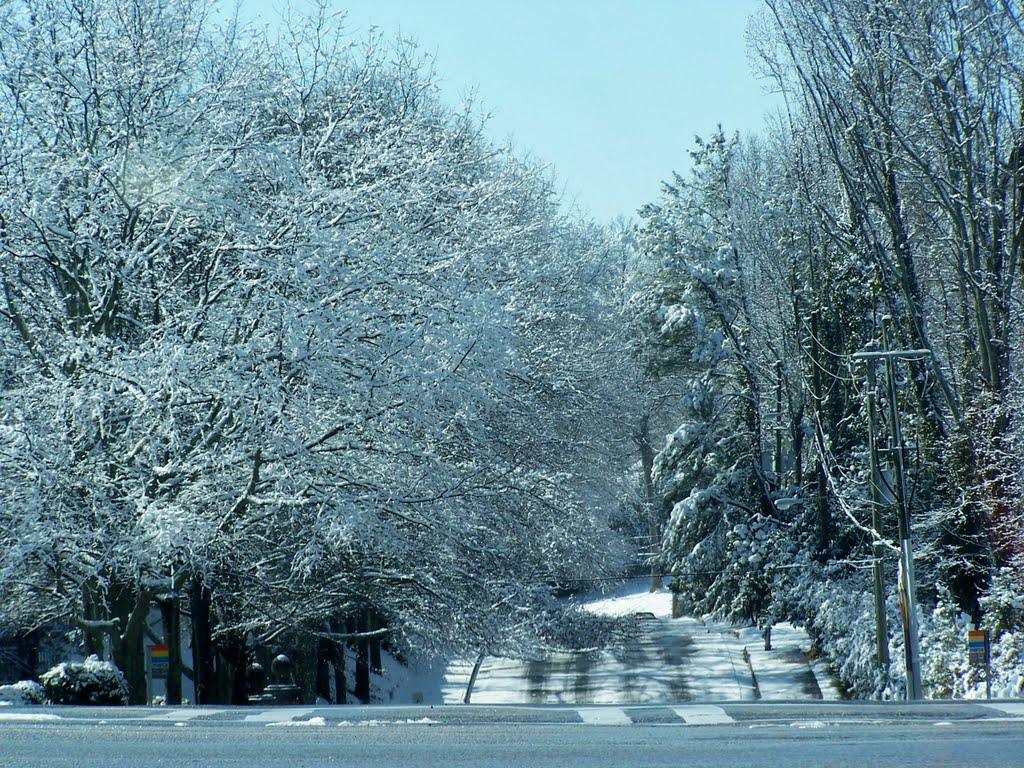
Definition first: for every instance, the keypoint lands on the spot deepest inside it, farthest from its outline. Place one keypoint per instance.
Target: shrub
(24, 692)
(89, 682)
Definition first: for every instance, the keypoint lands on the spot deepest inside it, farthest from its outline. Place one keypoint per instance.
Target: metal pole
(988, 666)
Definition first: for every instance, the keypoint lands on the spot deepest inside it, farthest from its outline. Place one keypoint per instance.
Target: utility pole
(777, 467)
(877, 571)
(907, 589)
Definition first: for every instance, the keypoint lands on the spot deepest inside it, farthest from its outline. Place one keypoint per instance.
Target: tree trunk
(324, 656)
(131, 607)
(362, 691)
(233, 663)
(338, 660)
(202, 644)
(373, 623)
(170, 613)
(643, 441)
(93, 638)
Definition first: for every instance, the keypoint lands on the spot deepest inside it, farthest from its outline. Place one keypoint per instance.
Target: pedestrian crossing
(1014, 709)
(588, 716)
(703, 714)
(279, 715)
(184, 714)
(604, 716)
(693, 714)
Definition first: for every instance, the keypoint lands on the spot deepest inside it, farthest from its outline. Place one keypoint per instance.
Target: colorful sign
(977, 647)
(159, 660)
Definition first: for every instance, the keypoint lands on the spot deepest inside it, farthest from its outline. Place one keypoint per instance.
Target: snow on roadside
(629, 598)
(313, 721)
(786, 671)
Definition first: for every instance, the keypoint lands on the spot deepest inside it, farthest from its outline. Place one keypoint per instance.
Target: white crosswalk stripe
(703, 714)
(182, 714)
(604, 716)
(1014, 708)
(279, 714)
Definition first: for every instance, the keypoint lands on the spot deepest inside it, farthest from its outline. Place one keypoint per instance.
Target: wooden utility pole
(907, 588)
(877, 571)
(778, 463)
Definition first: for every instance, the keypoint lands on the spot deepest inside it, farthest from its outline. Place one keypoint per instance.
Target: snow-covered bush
(1003, 602)
(945, 666)
(24, 692)
(89, 682)
(1008, 666)
(844, 630)
(945, 671)
(839, 616)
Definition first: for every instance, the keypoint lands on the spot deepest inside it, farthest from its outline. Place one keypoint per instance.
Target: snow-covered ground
(671, 660)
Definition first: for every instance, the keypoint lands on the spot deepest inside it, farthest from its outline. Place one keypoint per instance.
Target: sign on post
(159, 660)
(977, 647)
(979, 655)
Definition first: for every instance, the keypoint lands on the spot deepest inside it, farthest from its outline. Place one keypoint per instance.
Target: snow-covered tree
(713, 471)
(917, 108)
(285, 339)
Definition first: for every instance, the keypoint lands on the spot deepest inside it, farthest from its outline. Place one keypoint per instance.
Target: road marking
(604, 716)
(703, 714)
(175, 715)
(278, 715)
(1009, 708)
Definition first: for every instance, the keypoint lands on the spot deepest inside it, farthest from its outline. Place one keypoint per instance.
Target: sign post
(159, 660)
(979, 654)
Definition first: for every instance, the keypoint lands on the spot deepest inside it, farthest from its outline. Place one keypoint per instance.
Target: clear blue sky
(609, 92)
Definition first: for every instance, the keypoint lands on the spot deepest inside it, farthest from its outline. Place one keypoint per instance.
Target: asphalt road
(727, 735)
(653, 652)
